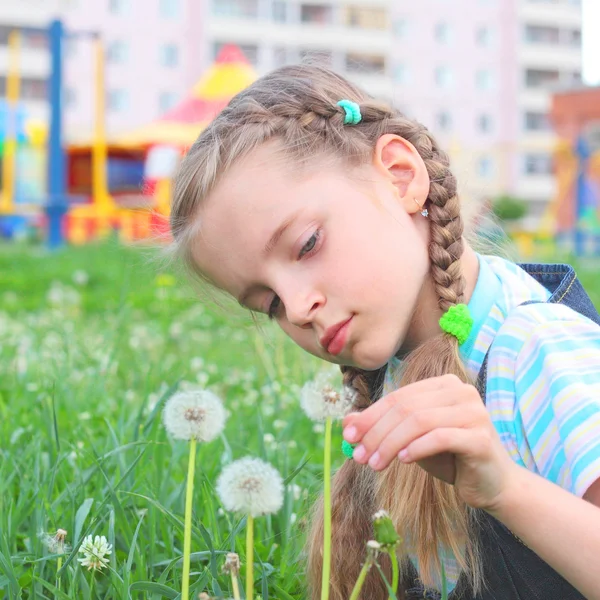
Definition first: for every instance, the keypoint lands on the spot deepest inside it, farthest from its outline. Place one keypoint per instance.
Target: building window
(316, 57)
(245, 9)
(119, 7)
(400, 28)
(541, 34)
(168, 55)
(483, 37)
(69, 97)
(574, 37)
(541, 78)
(443, 33)
(169, 8)
(443, 77)
(118, 100)
(444, 121)
(485, 167)
(33, 88)
(401, 74)
(365, 17)
(117, 52)
(484, 123)
(279, 11)
(316, 14)
(537, 121)
(250, 51)
(368, 64)
(280, 56)
(34, 39)
(538, 163)
(166, 101)
(484, 79)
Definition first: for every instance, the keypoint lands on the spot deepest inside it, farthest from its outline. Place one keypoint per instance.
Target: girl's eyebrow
(269, 246)
(287, 222)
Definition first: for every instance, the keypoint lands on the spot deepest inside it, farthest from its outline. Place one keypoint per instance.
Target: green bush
(508, 208)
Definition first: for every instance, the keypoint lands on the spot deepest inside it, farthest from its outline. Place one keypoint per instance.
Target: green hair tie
(348, 448)
(352, 110)
(457, 321)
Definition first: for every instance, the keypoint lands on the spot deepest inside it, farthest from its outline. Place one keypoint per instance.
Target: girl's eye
(310, 244)
(273, 307)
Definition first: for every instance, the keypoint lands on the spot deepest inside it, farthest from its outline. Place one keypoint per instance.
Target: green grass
(84, 370)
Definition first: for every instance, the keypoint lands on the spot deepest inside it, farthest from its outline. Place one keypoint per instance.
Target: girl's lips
(337, 343)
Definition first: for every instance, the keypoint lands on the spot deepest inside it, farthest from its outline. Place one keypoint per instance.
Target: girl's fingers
(380, 453)
(402, 413)
(357, 424)
(475, 442)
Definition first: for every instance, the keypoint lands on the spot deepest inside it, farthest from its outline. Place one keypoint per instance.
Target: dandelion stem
(58, 566)
(361, 579)
(395, 571)
(187, 532)
(249, 557)
(235, 586)
(326, 512)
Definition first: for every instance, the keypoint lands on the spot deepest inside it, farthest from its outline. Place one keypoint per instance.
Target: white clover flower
(320, 399)
(95, 552)
(251, 486)
(55, 543)
(80, 277)
(197, 414)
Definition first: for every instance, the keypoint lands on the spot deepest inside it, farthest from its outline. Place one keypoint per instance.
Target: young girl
(337, 216)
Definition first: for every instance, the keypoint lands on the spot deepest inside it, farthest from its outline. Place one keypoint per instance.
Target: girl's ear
(398, 160)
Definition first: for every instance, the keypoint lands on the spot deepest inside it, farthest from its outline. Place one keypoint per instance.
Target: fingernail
(403, 454)
(374, 460)
(350, 433)
(359, 452)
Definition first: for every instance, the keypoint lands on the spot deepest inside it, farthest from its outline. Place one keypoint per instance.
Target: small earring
(424, 211)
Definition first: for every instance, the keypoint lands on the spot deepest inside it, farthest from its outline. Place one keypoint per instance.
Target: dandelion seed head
(56, 542)
(232, 563)
(321, 398)
(194, 414)
(95, 550)
(252, 486)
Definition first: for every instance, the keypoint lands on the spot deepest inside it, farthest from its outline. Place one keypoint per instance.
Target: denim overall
(511, 570)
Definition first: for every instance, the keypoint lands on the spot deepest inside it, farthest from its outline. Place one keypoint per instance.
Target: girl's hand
(443, 425)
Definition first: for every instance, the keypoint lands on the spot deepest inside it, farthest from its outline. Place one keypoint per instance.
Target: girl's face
(339, 262)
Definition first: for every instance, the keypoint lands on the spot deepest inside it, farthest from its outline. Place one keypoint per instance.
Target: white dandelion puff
(251, 486)
(56, 542)
(321, 399)
(197, 414)
(95, 552)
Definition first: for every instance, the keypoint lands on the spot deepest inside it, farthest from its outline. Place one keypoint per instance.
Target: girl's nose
(301, 312)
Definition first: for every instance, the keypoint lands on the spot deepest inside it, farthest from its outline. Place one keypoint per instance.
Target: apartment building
(478, 73)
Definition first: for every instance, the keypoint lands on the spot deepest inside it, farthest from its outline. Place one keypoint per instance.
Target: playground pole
(99, 172)
(10, 142)
(56, 206)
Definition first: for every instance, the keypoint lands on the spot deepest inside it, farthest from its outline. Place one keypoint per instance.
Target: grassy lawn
(92, 341)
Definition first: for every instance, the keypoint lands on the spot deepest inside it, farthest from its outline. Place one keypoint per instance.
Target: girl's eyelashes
(307, 250)
(310, 244)
(273, 307)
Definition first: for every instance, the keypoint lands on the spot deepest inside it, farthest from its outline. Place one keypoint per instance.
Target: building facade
(480, 76)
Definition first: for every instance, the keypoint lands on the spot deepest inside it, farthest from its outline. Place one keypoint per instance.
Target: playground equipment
(79, 203)
(159, 145)
(574, 215)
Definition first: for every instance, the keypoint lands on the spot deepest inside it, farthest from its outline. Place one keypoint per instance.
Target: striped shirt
(543, 380)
